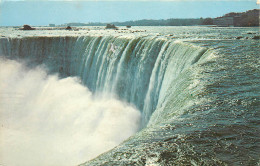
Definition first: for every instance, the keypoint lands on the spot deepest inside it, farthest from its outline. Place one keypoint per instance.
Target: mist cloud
(47, 121)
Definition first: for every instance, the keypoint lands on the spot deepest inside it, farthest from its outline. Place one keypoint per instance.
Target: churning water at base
(197, 89)
(48, 121)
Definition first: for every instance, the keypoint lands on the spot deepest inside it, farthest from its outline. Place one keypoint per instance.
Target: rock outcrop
(27, 27)
(256, 37)
(111, 26)
(239, 37)
(68, 28)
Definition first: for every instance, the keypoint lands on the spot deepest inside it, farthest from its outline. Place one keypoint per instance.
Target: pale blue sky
(14, 13)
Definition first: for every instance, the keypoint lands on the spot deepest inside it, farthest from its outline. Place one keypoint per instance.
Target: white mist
(47, 121)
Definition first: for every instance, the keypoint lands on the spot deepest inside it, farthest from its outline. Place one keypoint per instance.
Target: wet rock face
(27, 27)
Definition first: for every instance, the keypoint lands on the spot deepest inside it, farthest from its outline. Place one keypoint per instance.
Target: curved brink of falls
(171, 83)
(138, 70)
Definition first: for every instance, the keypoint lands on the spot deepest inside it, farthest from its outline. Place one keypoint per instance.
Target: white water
(47, 121)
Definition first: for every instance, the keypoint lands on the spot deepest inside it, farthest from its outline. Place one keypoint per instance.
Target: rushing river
(185, 95)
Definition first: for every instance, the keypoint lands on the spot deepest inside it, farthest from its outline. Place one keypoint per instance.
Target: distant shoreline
(61, 27)
(249, 18)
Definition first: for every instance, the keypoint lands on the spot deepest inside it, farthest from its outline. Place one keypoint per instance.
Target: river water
(197, 89)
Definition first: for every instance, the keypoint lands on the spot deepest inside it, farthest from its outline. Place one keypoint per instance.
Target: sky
(44, 12)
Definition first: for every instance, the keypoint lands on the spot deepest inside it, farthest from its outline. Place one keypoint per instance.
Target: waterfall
(138, 70)
(69, 99)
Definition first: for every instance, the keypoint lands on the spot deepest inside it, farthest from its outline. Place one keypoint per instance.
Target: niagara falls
(168, 88)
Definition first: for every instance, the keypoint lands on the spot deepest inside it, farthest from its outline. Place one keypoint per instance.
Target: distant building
(249, 18)
(76, 24)
(224, 21)
(237, 21)
(51, 25)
